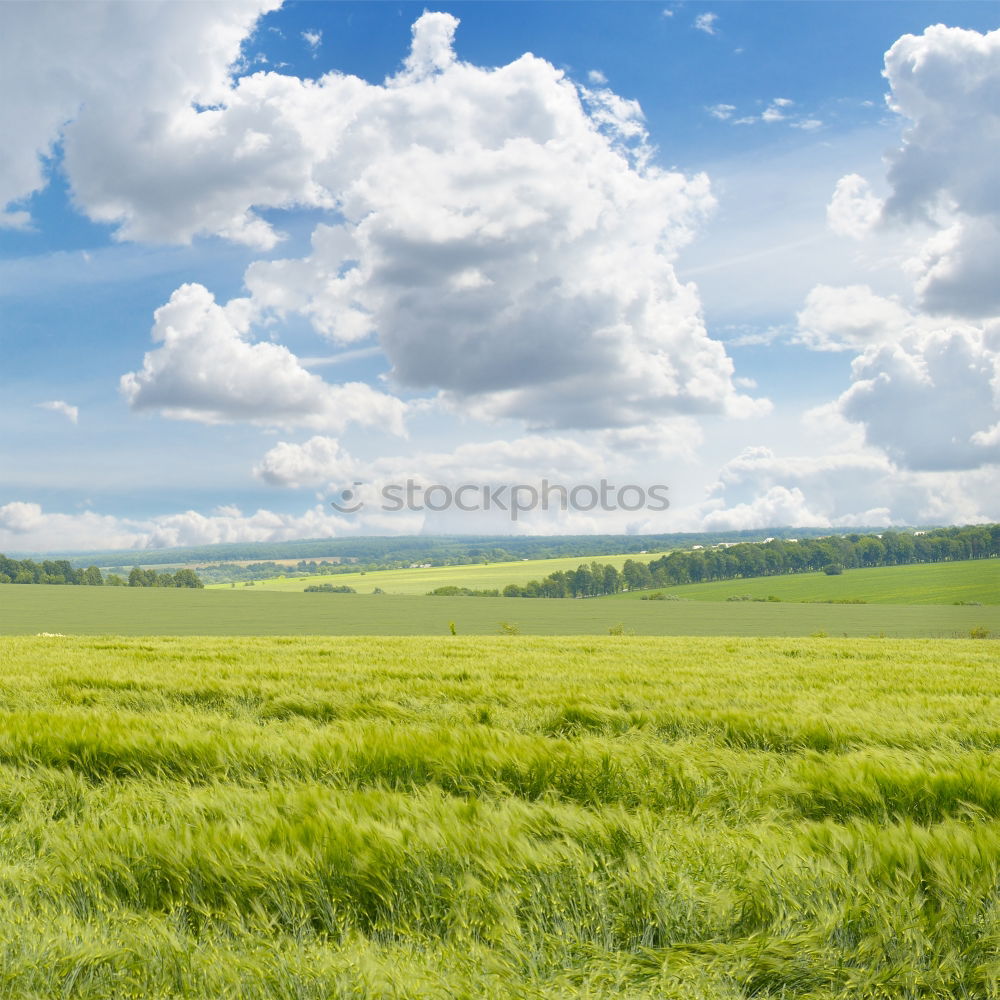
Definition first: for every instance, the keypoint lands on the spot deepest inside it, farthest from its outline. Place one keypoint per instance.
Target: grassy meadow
(155, 611)
(508, 817)
(974, 580)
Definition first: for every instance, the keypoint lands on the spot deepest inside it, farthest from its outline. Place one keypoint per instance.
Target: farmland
(927, 583)
(480, 576)
(154, 611)
(921, 583)
(503, 817)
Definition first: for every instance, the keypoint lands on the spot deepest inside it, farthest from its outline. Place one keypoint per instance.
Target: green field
(491, 576)
(927, 583)
(147, 611)
(706, 819)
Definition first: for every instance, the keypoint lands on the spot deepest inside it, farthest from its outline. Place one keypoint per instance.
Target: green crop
(499, 817)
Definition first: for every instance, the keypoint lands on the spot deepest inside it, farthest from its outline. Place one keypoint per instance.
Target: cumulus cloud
(322, 461)
(930, 400)
(127, 74)
(855, 486)
(759, 488)
(501, 232)
(926, 384)
(945, 172)
(206, 369)
(315, 462)
(642, 456)
(854, 210)
(923, 388)
(955, 270)
(850, 318)
(778, 505)
(71, 413)
(27, 527)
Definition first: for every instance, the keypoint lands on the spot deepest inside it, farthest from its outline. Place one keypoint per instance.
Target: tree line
(399, 551)
(61, 572)
(772, 558)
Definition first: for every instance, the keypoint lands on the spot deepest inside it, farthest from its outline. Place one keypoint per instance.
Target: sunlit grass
(499, 817)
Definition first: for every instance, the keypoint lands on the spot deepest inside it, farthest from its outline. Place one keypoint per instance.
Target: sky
(261, 264)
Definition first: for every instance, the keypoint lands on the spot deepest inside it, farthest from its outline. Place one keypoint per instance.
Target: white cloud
(924, 389)
(778, 506)
(851, 318)
(207, 370)
(853, 211)
(946, 171)
(501, 231)
(706, 22)
(757, 487)
(124, 74)
(777, 110)
(926, 385)
(596, 76)
(26, 527)
(855, 486)
(930, 400)
(506, 241)
(955, 271)
(322, 461)
(313, 38)
(721, 111)
(71, 413)
(315, 462)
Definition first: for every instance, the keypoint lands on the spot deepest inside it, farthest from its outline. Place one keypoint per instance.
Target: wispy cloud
(313, 37)
(721, 111)
(71, 413)
(706, 22)
(776, 111)
(344, 357)
(596, 76)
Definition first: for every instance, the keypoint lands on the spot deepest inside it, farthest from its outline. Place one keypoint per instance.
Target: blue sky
(741, 249)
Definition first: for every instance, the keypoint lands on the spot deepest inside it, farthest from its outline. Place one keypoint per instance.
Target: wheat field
(499, 817)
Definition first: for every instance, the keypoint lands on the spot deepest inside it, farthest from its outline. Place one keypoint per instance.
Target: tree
(637, 575)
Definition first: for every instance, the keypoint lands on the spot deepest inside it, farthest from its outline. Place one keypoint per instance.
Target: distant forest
(60, 571)
(771, 558)
(399, 551)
